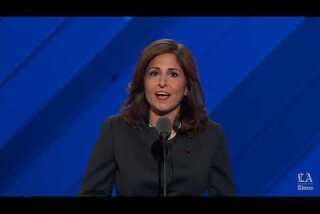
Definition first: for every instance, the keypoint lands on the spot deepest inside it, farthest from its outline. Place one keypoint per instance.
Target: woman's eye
(173, 74)
(153, 73)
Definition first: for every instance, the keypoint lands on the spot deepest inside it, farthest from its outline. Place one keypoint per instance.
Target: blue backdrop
(61, 77)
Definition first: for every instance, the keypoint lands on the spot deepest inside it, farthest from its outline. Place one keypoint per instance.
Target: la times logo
(305, 182)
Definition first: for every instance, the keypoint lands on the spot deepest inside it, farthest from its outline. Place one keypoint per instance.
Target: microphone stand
(164, 141)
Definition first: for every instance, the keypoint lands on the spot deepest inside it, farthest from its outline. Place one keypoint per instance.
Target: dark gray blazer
(131, 159)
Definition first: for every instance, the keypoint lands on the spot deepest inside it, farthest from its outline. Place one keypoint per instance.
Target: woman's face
(165, 84)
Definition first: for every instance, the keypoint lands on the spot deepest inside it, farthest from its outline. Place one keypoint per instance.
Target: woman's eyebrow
(153, 67)
(158, 68)
(174, 69)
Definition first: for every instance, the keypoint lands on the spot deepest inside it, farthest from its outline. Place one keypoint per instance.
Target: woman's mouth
(162, 95)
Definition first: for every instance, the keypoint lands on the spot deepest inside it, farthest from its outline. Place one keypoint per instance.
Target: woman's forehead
(167, 59)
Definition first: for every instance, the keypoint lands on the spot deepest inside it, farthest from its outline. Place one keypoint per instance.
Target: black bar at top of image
(216, 8)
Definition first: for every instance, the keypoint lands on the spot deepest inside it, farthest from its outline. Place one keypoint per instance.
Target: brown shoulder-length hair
(192, 117)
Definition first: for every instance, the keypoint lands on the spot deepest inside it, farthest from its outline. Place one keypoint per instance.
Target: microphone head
(164, 126)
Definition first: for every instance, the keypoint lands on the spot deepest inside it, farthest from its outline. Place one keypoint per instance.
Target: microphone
(164, 127)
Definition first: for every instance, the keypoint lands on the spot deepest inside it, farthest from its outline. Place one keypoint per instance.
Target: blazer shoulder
(115, 121)
(215, 127)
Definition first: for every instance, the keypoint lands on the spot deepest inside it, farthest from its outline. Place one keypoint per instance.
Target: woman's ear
(185, 91)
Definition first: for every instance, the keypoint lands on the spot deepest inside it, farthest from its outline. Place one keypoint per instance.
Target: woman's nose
(162, 81)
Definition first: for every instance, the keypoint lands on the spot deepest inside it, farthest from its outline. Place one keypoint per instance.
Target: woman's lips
(162, 95)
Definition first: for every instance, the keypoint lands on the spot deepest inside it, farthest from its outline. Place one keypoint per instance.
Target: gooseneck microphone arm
(164, 127)
(164, 142)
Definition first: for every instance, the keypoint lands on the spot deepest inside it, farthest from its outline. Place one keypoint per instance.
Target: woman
(128, 152)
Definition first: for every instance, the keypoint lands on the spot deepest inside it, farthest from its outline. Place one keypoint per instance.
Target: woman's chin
(163, 110)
